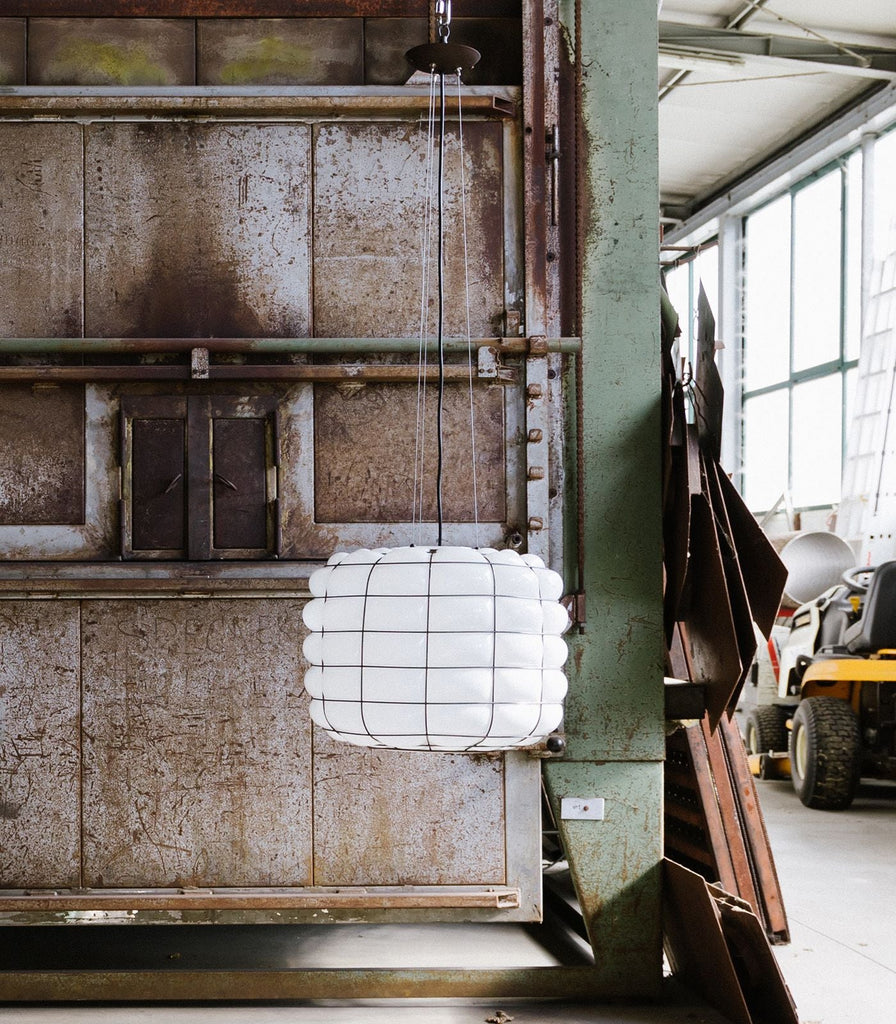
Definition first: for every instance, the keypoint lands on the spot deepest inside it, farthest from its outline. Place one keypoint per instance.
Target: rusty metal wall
(369, 189)
(406, 818)
(40, 230)
(40, 745)
(42, 456)
(197, 230)
(197, 744)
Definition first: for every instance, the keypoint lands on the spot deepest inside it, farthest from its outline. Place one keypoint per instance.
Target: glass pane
(817, 441)
(767, 295)
(853, 337)
(884, 195)
(816, 272)
(765, 449)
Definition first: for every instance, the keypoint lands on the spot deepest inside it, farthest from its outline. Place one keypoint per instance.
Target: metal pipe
(270, 346)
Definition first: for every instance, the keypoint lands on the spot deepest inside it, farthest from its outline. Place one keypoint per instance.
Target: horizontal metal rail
(272, 346)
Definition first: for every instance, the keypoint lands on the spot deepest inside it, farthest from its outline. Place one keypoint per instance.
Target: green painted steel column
(615, 722)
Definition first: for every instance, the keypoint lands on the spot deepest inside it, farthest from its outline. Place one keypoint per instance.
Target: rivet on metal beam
(534, 391)
(536, 523)
(535, 473)
(535, 435)
(538, 345)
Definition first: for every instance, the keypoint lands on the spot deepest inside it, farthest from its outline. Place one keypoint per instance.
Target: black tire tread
(832, 777)
(771, 730)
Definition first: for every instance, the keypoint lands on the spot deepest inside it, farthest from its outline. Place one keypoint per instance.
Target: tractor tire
(825, 753)
(765, 730)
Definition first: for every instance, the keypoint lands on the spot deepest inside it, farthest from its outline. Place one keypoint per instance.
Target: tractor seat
(876, 627)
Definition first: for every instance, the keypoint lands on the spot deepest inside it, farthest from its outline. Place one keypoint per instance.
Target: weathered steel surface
(179, 986)
(110, 51)
(384, 817)
(12, 51)
(281, 51)
(197, 229)
(369, 191)
(253, 8)
(40, 231)
(197, 747)
(386, 41)
(364, 450)
(41, 454)
(39, 745)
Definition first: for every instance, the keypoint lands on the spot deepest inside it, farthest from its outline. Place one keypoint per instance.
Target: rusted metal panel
(369, 192)
(41, 454)
(253, 8)
(12, 51)
(364, 454)
(158, 508)
(386, 41)
(384, 817)
(280, 51)
(39, 745)
(197, 229)
(40, 232)
(197, 747)
(239, 482)
(110, 51)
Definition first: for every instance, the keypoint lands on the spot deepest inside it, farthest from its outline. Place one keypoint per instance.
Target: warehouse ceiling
(742, 80)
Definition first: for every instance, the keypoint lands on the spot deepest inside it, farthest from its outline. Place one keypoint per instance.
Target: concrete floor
(837, 875)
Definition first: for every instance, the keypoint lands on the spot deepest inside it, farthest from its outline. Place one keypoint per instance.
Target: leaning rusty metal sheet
(364, 454)
(111, 51)
(39, 745)
(369, 202)
(389, 817)
(197, 746)
(197, 230)
(42, 464)
(41, 230)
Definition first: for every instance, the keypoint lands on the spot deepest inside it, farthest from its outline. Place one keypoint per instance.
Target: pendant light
(435, 647)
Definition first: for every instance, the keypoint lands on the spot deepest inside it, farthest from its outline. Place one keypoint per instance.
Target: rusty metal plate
(280, 51)
(111, 51)
(12, 51)
(39, 745)
(197, 230)
(369, 198)
(389, 817)
(197, 744)
(40, 230)
(364, 450)
(41, 454)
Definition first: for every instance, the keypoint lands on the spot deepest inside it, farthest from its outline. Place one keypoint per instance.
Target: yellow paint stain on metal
(269, 57)
(107, 63)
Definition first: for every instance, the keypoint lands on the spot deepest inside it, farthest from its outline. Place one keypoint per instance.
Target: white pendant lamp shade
(436, 648)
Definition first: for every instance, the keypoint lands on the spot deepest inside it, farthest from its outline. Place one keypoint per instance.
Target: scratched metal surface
(369, 189)
(40, 230)
(197, 745)
(391, 817)
(197, 230)
(39, 745)
(41, 454)
(364, 452)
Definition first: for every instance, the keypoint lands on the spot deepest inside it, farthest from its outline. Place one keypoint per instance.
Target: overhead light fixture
(435, 647)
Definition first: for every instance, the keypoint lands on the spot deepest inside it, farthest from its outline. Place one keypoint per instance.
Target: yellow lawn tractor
(834, 717)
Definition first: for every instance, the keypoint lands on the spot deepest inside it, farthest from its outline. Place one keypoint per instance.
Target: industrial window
(801, 337)
(683, 279)
(199, 477)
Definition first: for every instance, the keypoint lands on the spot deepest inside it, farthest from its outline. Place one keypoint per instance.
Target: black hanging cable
(440, 259)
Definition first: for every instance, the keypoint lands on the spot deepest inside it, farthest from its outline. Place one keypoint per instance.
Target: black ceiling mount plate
(443, 58)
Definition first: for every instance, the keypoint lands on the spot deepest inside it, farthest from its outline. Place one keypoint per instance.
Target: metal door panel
(394, 817)
(369, 192)
(157, 461)
(39, 745)
(40, 230)
(197, 745)
(239, 482)
(197, 230)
